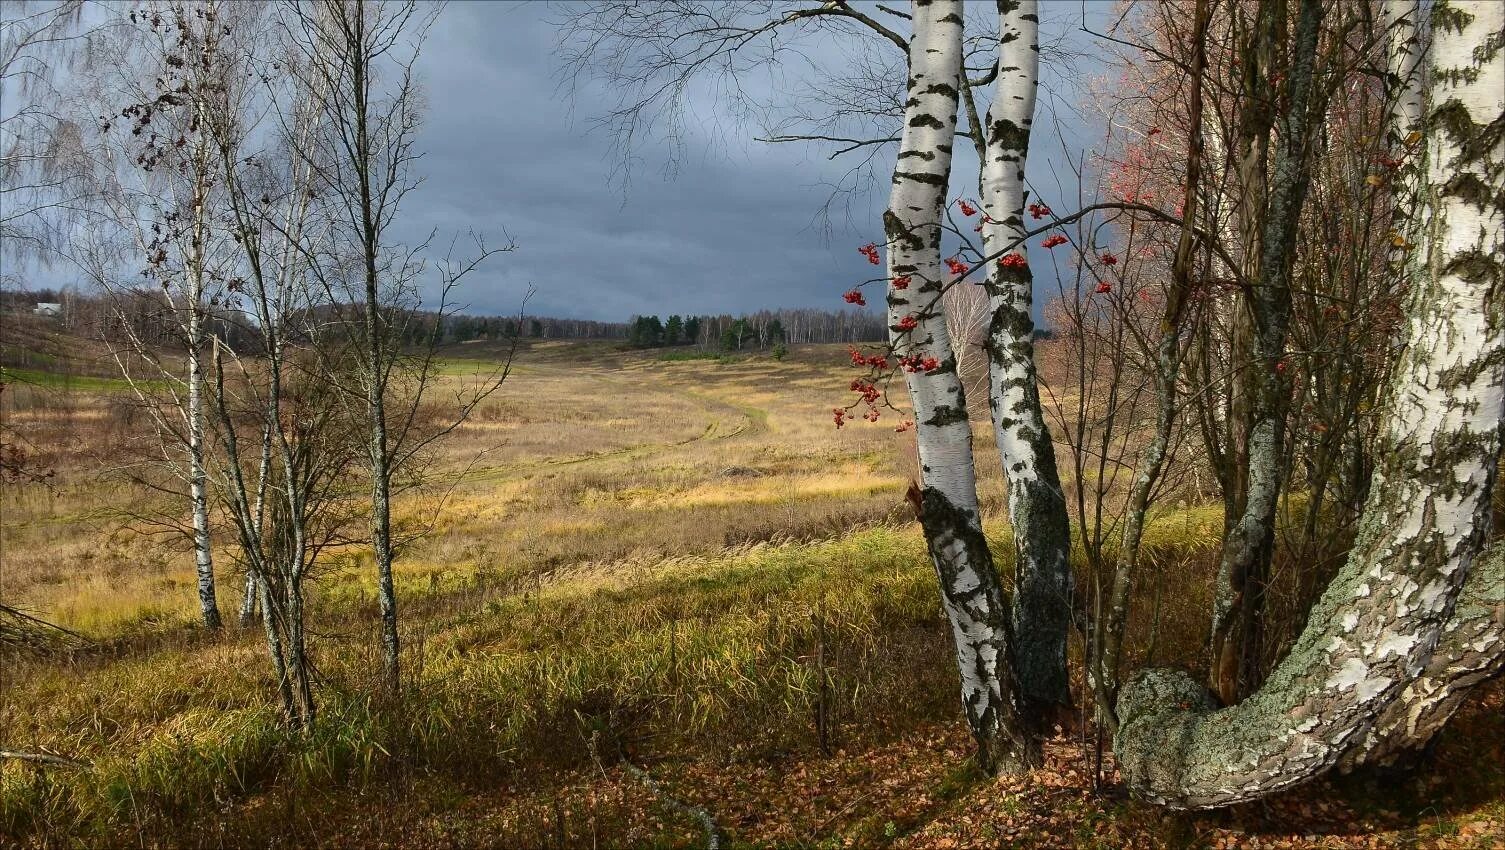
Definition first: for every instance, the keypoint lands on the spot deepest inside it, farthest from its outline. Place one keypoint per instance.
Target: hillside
(628, 561)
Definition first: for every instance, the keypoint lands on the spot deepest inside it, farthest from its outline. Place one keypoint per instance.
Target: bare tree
(967, 315)
(286, 446)
(159, 181)
(43, 160)
(357, 61)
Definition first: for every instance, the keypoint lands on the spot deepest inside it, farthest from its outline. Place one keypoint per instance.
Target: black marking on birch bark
(946, 414)
(920, 177)
(944, 89)
(1008, 135)
(1473, 140)
(1472, 189)
(952, 18)
(1475, 267)
(1447, 17)
(919, 154)
(946, 524)
(900, 236)
(925, 119)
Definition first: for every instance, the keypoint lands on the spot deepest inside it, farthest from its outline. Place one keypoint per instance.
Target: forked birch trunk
(1041, 614)
(949, 512)
(1385, 620)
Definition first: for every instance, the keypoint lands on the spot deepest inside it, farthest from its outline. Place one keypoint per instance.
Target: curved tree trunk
(949, 513)
(1471, 650)
(1037, 507)
(1375, 631)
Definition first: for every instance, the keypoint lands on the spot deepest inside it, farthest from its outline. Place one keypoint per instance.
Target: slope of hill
(628, 563)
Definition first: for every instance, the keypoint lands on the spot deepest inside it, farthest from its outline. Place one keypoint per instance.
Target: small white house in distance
(48, 308)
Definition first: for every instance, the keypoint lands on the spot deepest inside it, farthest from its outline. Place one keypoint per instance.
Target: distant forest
(84, 314)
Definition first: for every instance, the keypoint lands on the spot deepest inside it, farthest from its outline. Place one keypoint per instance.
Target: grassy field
(677, 559)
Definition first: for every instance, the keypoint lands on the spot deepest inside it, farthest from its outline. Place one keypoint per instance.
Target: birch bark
(1374, 633)
(1041, 613)
(949, 512)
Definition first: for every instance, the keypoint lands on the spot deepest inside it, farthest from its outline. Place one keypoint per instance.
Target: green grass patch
(56, 381)
(683, 356)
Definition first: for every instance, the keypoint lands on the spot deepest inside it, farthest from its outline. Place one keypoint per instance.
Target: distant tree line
(92, 315)
(763, 329)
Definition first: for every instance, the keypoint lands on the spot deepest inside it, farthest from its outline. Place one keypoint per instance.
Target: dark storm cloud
(505, 150)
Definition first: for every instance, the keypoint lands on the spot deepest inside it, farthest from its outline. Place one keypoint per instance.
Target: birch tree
(1362, 671)
(947, 498)
(368, 152)
(286, 448)
(44, 167)
(356, 61)
(1041, 613)
(159, 183)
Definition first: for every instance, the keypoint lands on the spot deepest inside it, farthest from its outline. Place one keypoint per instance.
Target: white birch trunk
(949, 512)
(198, 490)
(1406, 125)
(194, 408)
(1037, 507)
(1377, 629)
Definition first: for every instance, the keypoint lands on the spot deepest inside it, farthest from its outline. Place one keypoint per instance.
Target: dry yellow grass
(587, 454)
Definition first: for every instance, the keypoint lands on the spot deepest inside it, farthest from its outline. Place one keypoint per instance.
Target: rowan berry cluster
(869, 390)
(854, 296)
(870, 250)
(956, 266)
(1012, 261)
(917, 363)
(1038, 210)
(1053, 240)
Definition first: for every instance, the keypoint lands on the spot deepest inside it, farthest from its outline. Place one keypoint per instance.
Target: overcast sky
(734, 230)
(507, 150)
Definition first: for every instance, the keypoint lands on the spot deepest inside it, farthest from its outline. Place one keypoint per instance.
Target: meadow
(624, 561)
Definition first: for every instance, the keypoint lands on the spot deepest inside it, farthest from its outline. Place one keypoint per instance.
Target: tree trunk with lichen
(1041, 615)
(948, 507)
(1471, 650)
(1238, 606)
(1360, 671)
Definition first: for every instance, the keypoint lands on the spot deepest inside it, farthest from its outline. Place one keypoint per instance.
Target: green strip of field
(55, 381)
